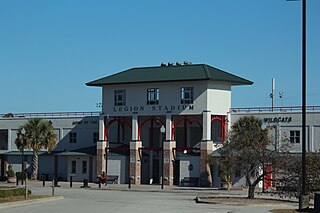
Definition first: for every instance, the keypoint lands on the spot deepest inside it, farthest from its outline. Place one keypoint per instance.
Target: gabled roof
(194, 72)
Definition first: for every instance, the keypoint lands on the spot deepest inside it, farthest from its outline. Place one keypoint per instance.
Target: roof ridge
(170, 73)
(206, 71)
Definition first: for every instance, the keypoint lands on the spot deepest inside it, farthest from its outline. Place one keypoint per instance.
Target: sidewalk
(204, 192)
(212, 196)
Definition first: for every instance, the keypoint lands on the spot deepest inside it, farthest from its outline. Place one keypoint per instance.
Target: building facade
(73, 155)
(285, 125)
(153, 116)
(155, 122)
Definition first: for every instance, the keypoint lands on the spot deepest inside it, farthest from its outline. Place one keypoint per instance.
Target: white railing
(274, 109)
(48, 114)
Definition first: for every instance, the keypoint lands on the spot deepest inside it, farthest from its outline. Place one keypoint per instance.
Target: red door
(268, 177)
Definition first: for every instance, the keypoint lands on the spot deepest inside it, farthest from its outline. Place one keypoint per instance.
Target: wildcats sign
(152, 108)
(277, 120)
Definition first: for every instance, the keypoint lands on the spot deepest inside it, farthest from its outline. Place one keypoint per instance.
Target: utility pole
(304, 196)
(271, 95)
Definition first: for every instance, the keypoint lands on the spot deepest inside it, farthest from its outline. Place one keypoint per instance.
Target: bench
(190, 181)
(112, 179)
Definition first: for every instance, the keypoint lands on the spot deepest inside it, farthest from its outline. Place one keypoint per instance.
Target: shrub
(10, 171)
(12, 192)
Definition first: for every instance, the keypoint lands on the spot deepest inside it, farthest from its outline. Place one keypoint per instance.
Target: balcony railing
(48, 114)
(274, 109)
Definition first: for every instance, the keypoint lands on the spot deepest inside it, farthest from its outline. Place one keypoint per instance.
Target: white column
(206, 122)
(310, 138)
(168, 127)
(9, 140)
(228, 121)
(61, 136)
(101, 128)
(135, 127)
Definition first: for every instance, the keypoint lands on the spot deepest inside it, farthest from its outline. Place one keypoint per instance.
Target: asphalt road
(78, 200)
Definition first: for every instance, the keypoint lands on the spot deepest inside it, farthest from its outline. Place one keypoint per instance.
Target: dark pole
(304, 198)
(129, 178)
(162, 179)
(304, 171)
(162, 130)
(22, 167)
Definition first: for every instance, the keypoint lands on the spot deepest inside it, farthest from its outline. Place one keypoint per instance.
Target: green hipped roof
(170, 73)
(25, 153)
(71, 153)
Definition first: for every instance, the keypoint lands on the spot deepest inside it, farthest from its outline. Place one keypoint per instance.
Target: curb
(207, 200)
(27, 202)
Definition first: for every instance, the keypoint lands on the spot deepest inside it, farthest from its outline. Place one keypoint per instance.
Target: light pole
(162, 130)
(304, 196)
(23, 133)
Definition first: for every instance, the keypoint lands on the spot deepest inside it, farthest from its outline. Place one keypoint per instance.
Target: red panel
(268, 177)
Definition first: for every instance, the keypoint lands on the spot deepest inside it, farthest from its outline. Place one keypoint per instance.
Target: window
(119, 97)
(95, 137)
(72, 137)
(73, 167)
(186, 95)
(153, 96)
(295, 136)
(84, 167)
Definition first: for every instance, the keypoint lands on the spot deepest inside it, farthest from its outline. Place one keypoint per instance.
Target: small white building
(190, 103)
(75, 153)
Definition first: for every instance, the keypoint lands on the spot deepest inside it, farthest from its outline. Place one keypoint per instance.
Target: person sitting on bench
(103, 178)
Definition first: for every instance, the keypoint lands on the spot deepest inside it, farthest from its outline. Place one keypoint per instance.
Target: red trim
(222, 119)
(152, 118)
(105, 129)
(121, 120)
(186, 117)
(116, 148)
(150, 148)
(186, 148)
(223, 128)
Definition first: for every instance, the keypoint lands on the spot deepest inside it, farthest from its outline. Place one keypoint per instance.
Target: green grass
(21, 198)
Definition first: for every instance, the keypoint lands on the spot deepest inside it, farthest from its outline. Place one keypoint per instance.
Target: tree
(289, 176)
(39, 134)
(226, 163)
(253, 148)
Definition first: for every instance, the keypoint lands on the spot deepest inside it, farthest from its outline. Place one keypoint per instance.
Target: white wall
(219, 98)
(289, 121)
(213, 96)
(79, 175)
(185, 161)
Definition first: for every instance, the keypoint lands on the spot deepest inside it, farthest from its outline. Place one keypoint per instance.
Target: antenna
(271, 95)
(281, 96)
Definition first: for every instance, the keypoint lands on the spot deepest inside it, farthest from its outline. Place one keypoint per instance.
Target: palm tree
(39, 134)
(251, 144)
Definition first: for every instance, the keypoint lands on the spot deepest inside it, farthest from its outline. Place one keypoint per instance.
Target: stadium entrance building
(163, 121)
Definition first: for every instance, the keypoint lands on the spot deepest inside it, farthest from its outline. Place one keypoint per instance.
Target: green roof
(71, 153)
(199, 72)
(25, 153)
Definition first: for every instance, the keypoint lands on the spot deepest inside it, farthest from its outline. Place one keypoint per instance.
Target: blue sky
(50, 49)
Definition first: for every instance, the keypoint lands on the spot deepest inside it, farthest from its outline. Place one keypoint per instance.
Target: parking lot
(118, 198)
